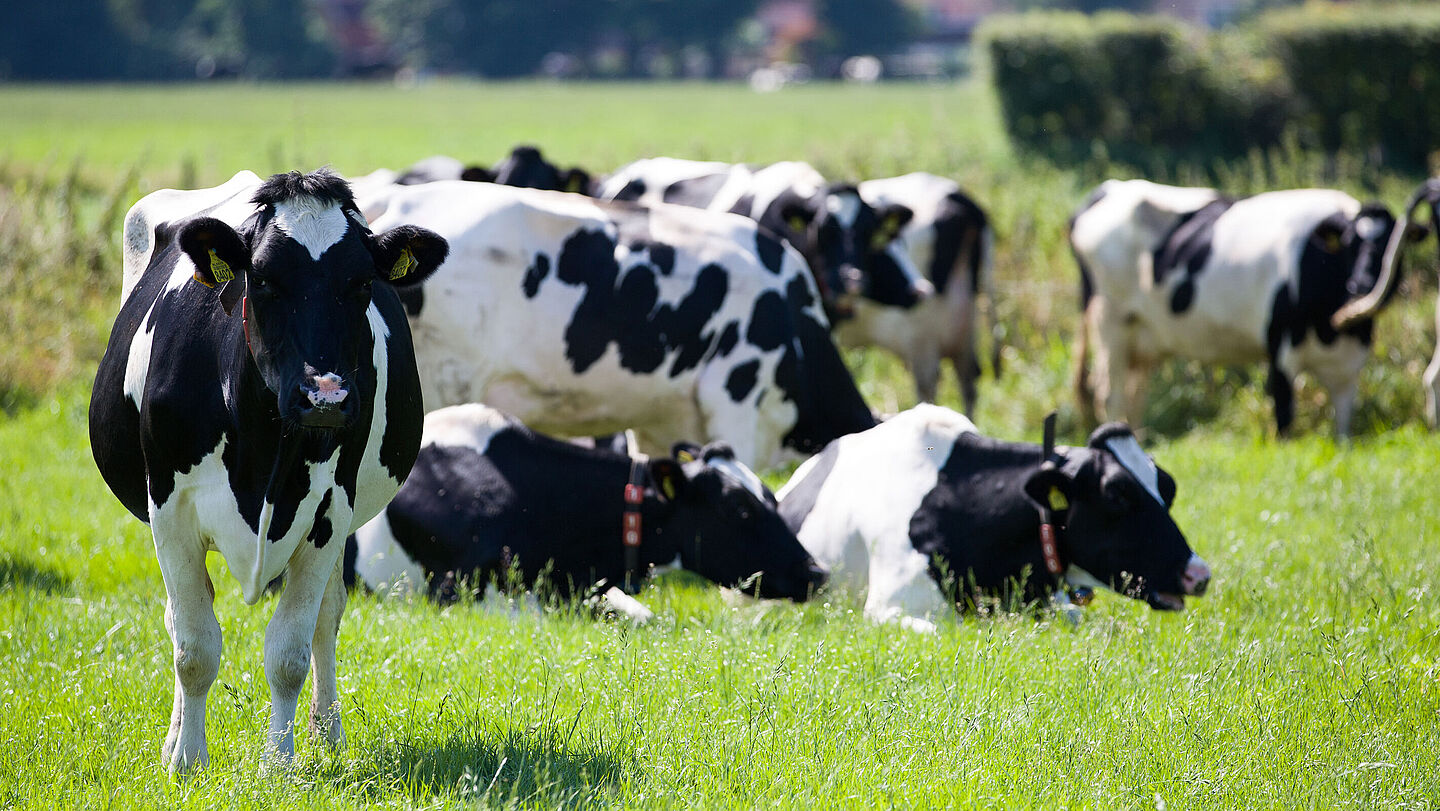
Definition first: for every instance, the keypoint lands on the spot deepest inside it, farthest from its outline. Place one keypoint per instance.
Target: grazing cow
(1185, 272)
(581, 317)
(258, 398)
(922, 513)
(950, 240)
(1362, 309)
(843, 239)
(489, 498)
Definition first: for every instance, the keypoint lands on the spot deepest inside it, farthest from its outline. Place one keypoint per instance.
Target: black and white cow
(1362, 309)
(1186, 272)
(921, 513)
(847, 243)
(258, 398)
(524, 167)
(950, 241)
(582, 317)
(490, 499)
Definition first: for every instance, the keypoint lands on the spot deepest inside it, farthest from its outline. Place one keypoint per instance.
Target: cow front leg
(1282, 392)
(288, 641)
(1112, 361)
(325, 701)
(967, 373)
(195, 640)
(1432, 377)
(925, 366)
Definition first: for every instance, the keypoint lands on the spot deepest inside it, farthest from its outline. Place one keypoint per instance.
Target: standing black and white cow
(921, 513)
(950, 241)
(489, 498)
(848, 244)
(582, 317)
(1185, 272)
(1364, 308)
(258, 398)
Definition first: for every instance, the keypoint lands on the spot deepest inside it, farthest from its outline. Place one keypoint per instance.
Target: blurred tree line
(182, 39)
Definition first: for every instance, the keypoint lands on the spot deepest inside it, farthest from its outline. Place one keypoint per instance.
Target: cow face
(848, 245)
(527, 168)
(1113, 505)
(728, 526)
(306, 265)
(1358, 245)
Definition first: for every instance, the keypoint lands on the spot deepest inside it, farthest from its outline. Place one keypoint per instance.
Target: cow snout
(852, 279)
(325, 400)
(922, 289)
(1197, 576)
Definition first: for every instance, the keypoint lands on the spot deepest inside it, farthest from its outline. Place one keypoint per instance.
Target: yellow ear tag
(879, 240)
(685, 456)
(798, 223)
(573, 185)
(219, 269)
(1057, 500)
(668, 485)
(403, 265)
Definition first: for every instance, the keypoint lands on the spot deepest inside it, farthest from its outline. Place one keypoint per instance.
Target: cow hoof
(180, 761)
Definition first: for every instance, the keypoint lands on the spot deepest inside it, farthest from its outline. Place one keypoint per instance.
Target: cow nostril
(326, 390)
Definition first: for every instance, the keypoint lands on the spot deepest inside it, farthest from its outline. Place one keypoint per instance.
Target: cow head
(1356, 244)
(304, 268)
(728, 528)
(1113, 506)
(1374, 293)
(849, 246)
(527, 168)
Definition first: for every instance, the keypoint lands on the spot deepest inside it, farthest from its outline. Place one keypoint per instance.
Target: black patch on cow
(662, 257)
(812, 375)
(413, 298)
(695, 191)
(535, 274)
(770, 321)
(631, 191)
(1282, 315)
(729, 337)
(770, 250)
(801, 499)
(886, 283)
(744, 204)
(1187, 247)
(320, 529)
(1324, 285)
(958, 222)
(742, 379)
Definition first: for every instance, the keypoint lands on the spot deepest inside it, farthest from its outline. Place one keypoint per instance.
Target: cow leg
(1137, 391)
(925, 366)
(195, 637)
(1282, 392)
(967, 373)
(1112, 360)
(1432, 377)
(288, 640)
(1343, 397)
(325, 702)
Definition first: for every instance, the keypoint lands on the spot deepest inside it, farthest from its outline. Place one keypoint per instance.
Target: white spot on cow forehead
(845, 206)
(1369, 228)
(1127, 452)
(315, 224)
(740, 473)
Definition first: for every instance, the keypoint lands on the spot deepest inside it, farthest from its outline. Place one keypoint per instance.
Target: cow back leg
(967, 374)
(288, 640)
(195, 639)
(1112, 360)
(925, 366)
(1282, 393)
(1432, 377)
(1137, 390)
(325, 701)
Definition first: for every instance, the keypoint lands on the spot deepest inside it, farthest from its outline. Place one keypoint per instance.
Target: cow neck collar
(631, 523)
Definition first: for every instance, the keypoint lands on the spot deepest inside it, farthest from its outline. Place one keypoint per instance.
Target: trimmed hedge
(1367, 78)
(1355, 78)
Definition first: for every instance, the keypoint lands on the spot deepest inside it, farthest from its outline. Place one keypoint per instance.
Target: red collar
(630, 523)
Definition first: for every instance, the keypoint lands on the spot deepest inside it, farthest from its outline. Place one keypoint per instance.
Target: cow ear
(219, 254)
(892, 219)
(478, 174)
(408, 254)
(1050, 488)
(797, 213)
(577, 181)
(1416, 231)
(1329, 235)
(1167, 487)
(669, 478)
(685, 451)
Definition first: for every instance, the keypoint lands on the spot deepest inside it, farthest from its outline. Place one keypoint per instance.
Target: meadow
(1309, 676)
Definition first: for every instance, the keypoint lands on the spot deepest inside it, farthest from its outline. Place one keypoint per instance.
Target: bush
(1067, 81)
(1367, 78)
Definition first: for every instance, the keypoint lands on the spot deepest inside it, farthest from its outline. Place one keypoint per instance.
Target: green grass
(1309, 677)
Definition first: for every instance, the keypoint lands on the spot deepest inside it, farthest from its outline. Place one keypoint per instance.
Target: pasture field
(1308, 677)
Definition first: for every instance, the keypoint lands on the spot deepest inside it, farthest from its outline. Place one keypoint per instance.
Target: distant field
(1309, 677)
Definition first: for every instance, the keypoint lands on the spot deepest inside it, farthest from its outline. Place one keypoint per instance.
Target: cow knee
(286, 667)
(197, 663)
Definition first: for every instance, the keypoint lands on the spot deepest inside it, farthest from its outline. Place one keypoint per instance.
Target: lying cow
(922, 513)
(950, 240)
(524, 167)
(847, 243)
(258, 398)
(1361, 310)
(490, 499)
(582, 318)
(1185, 272)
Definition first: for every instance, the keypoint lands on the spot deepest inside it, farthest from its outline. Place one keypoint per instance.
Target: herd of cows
(264, 390)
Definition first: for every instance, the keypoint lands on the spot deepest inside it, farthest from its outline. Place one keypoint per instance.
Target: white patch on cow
(374, 484)
(471, 425)
(1079, 578)
(623, 604)
(381, 562)
(845, 207)
(1127, 451)
(859, 526)
(328, 390)
(314, 223)
(228, 202)
(137, 363)
(740, 473)
(664, 568)
(1369, 228)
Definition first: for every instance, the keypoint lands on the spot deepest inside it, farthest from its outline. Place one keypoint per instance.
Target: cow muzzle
(325, 400)
(1197, 576)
